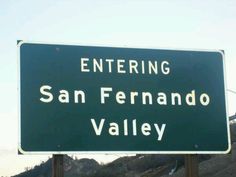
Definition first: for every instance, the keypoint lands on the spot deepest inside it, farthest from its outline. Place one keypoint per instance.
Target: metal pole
(57, 166)
(191, 165)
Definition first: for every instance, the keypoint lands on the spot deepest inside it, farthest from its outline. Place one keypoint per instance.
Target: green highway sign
(77, 98)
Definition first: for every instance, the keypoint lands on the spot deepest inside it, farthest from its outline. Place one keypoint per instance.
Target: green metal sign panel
(109, 99)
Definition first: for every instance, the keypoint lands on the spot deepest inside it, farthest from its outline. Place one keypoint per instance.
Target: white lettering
(134, 127)
(83, 64)
(109, 61)
(126, 127)
(64, 96)
(204, 99)
(159, 131)
(165, 67)
(152, 67)
(120, 97)
(98, 129)
(77, 94)
(97, 65)
(120, 66)
(190, 98)
(175, 95)
(146, 128)
(114, 129)
(103, 94)
(43, 90)
(146, 95)
(161, 98)
(132, 97)
(133, 64)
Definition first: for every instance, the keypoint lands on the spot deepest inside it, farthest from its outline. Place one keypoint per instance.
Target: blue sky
(143, 23)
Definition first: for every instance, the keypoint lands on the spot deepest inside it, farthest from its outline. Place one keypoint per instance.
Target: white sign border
(21, 151)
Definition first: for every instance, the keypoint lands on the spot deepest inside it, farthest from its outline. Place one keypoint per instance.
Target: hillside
(72, 168)
(217, 166)
(134, 166)
(140, 166)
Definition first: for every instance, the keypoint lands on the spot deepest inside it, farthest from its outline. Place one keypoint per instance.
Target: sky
(133, 23)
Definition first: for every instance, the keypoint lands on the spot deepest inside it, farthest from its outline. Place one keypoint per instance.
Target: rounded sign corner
(227, 151)
(221, 53)
(20, 43)
(20, 150)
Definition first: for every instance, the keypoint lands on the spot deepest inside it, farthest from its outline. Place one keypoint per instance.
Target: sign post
(57, 165)
(124, 100)
(191, 165)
